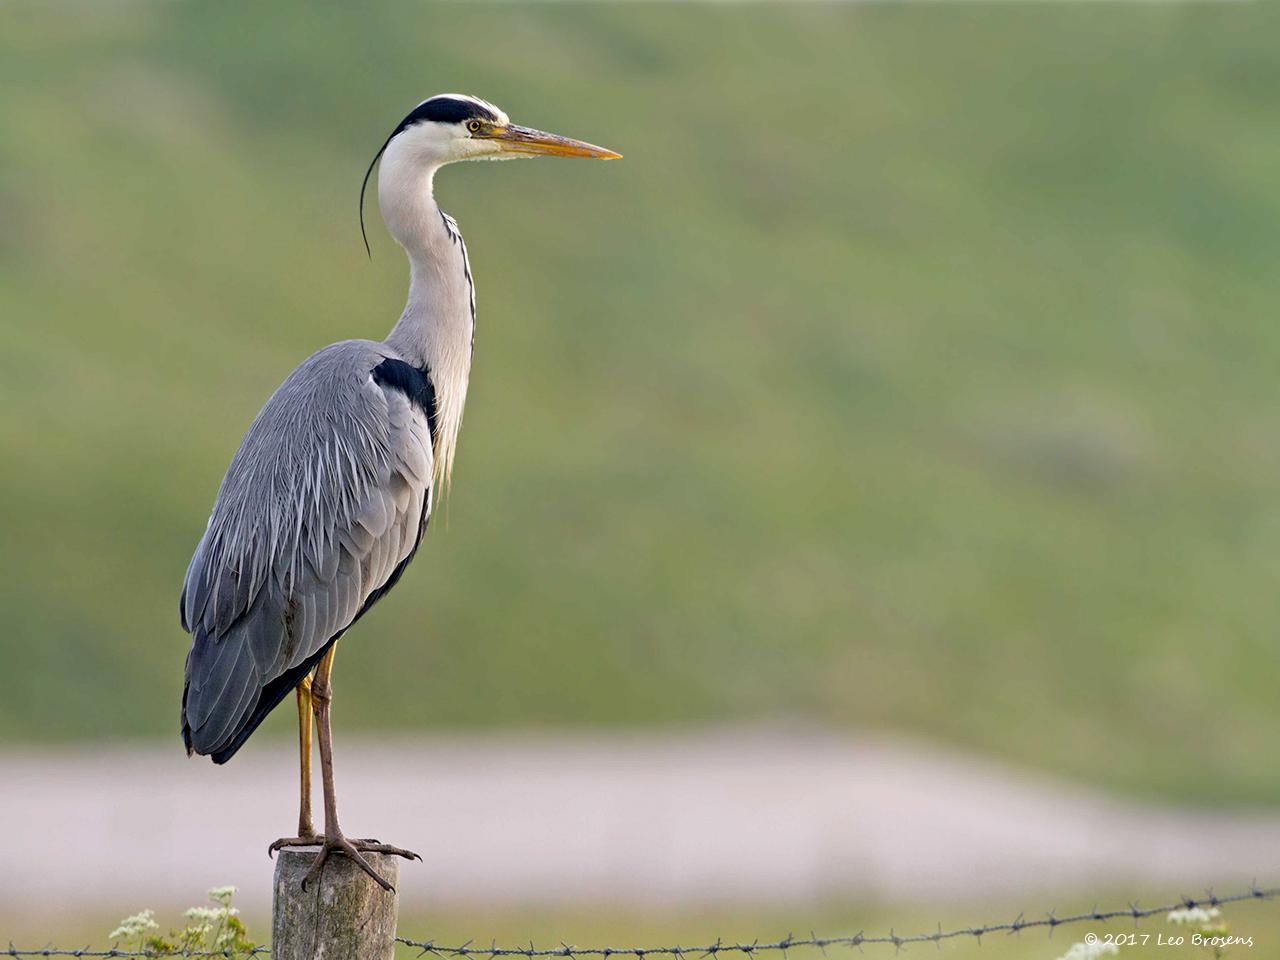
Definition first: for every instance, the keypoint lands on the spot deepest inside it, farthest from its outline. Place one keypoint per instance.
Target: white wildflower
(222, 894)
(204, 914)
(1194, 915)
(1087, 951)
(135, 926)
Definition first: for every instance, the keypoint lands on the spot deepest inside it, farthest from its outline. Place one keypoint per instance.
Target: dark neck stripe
(451, 225)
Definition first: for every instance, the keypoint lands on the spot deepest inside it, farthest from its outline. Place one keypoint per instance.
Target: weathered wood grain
(343, 916)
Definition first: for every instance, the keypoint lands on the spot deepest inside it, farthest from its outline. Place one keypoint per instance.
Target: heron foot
(352, 849)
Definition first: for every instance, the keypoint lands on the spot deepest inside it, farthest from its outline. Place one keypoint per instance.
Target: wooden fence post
(344, 915)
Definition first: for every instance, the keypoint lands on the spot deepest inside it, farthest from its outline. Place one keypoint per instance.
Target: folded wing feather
(324, 501)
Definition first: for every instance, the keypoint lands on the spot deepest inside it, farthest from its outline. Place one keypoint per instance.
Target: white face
(436, 143)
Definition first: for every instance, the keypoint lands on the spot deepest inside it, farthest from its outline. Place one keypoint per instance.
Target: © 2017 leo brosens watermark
(1202, 927)
(1196, 939)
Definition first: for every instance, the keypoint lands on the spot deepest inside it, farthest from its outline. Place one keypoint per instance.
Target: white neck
(435, 330)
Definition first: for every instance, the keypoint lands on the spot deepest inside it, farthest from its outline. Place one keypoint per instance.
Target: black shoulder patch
(415, 384)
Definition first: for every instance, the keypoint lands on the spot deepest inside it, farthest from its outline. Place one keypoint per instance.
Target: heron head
(452, 126)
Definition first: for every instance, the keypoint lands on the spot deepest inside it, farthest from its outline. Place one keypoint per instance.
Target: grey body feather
(324, 502)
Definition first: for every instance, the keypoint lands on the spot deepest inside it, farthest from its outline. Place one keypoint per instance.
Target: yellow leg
(317, 693)
(323, 693)
(305, 714)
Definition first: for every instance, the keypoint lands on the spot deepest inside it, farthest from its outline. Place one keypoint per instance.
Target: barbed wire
(859, 939)
(714, 950)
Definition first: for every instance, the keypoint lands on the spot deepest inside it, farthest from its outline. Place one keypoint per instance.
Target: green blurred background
(916, 370)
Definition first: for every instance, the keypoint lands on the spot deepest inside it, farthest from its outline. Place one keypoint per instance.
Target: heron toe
(377, 846)
(309, 840)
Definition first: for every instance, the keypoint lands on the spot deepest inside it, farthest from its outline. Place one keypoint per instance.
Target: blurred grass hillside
(919, 367)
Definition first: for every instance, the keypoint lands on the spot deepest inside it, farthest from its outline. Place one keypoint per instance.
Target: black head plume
(364, 184)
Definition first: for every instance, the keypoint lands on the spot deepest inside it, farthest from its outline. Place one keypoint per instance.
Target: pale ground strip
(653, 819)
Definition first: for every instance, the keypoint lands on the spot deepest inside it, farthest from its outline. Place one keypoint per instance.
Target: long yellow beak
(514, 139)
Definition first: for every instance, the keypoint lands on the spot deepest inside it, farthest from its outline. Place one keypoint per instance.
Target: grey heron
(329, 494)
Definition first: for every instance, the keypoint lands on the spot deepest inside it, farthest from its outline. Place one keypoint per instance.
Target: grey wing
(322, 507)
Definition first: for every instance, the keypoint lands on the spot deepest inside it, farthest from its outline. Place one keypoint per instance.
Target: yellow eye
(474, 126)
